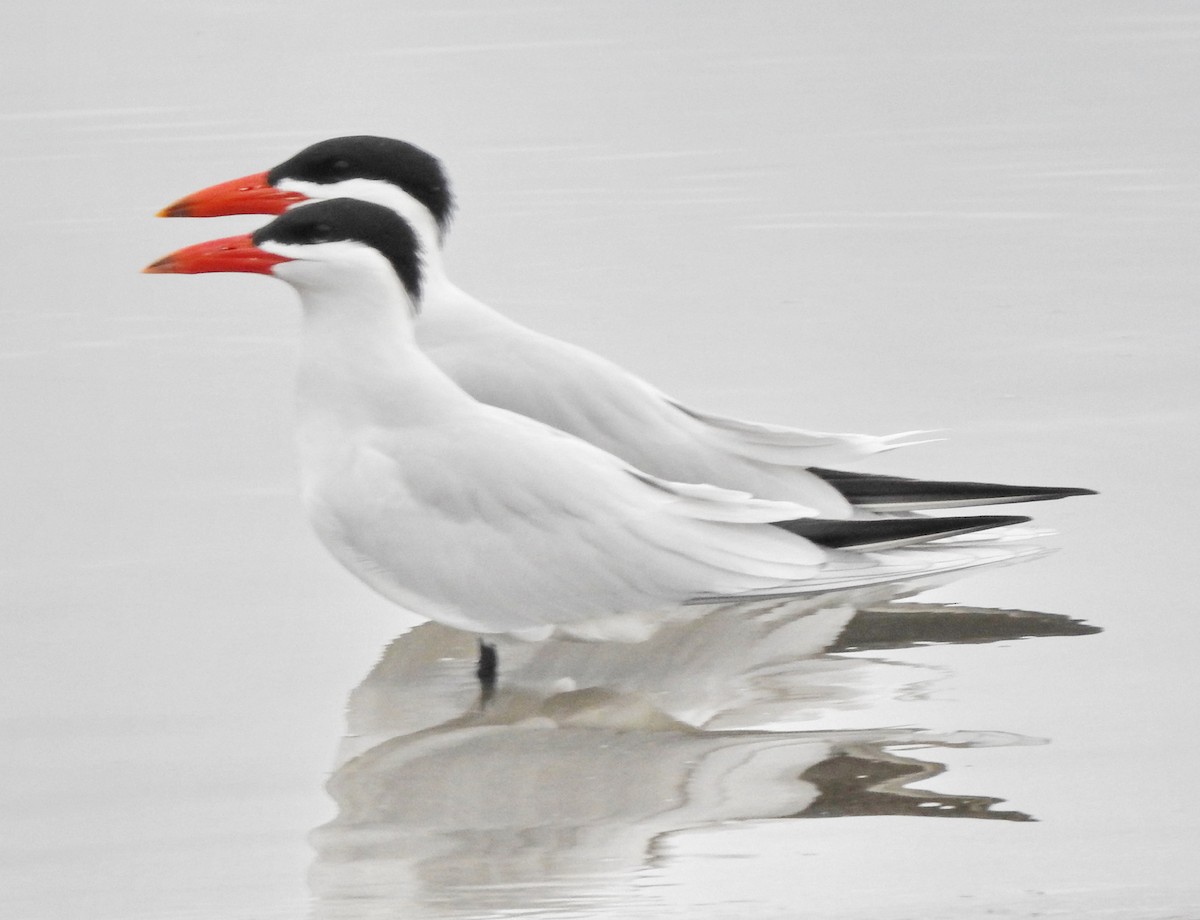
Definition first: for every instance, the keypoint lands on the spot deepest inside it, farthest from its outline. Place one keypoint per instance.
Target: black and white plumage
(485, 519)
(504, 364)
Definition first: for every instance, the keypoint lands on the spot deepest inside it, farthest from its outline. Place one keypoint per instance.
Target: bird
(486, 520)
(505, 364)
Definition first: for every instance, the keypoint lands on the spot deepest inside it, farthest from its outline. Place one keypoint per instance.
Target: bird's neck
(435, 285)
(360, 365)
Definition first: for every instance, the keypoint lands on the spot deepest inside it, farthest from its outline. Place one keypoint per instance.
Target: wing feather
(569, 388)
(496, 523)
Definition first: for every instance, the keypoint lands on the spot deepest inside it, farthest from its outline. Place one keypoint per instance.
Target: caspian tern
(504, 364)
(484, 519)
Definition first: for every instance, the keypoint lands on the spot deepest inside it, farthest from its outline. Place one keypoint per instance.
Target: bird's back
(502, 363)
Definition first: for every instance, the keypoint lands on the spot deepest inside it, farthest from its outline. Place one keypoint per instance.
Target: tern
(489, 521)
(504, 364)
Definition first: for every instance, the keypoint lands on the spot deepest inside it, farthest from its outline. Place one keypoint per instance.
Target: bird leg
(486, 671)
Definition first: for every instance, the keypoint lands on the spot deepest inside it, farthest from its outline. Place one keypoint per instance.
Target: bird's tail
(905, 571)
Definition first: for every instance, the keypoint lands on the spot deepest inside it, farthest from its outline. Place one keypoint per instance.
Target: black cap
(364, 156)
(359, 221)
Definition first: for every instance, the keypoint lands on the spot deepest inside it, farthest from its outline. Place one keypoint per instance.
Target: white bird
(486, 520)
(504, 364)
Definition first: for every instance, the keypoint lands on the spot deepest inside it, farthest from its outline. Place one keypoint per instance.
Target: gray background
(873, 217)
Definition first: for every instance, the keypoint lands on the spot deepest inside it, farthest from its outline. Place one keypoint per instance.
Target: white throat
(360, 366)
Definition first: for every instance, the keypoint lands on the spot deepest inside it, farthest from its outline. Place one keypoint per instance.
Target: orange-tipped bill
(247, 195)
(231, 254)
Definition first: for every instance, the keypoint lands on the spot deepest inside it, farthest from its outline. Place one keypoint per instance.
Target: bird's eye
(339, 165)
(319, 233)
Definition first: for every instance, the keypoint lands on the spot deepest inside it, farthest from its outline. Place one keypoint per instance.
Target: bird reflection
(562, 789)
(867, 779)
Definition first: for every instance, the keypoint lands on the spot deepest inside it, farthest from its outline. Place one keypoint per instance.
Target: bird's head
(382, 170)
(338, 245)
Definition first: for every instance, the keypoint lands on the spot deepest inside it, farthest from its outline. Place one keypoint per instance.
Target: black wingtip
(895, 493)
(889, 533)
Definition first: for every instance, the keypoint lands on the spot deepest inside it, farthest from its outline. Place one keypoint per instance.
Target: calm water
(856, 216)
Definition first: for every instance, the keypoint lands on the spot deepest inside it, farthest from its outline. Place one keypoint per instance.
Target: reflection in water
(907, 625)
(559, 793)
(866, 779)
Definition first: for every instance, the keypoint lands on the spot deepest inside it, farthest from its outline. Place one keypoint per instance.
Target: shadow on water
(562, 791)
